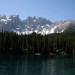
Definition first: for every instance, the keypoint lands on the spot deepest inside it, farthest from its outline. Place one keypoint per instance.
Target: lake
(36, 65)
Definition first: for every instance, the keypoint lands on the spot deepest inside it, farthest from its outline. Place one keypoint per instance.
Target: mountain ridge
(33, 24)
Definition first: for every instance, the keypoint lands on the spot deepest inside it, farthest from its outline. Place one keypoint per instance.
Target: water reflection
(36, 65)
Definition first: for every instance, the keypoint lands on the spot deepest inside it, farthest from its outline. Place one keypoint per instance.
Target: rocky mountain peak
(34, 24)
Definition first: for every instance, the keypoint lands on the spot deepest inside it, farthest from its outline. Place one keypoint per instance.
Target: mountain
(33, 24)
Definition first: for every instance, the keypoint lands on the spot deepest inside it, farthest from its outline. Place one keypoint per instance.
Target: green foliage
(61, 43)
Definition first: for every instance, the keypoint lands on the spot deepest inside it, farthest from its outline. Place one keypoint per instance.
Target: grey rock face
(33, 24)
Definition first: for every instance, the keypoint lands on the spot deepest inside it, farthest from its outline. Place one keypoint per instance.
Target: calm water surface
(36, 65)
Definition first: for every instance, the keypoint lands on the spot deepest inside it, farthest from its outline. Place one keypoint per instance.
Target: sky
(53, 10)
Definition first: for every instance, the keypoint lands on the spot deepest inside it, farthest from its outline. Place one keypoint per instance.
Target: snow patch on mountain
(33, 24)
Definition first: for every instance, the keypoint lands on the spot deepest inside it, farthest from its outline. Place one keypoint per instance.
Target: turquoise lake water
(36, 65)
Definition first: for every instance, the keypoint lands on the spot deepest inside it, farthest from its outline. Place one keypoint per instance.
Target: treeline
(57, 43)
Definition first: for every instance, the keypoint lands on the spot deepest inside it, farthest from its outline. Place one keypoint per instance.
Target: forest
(57, 43)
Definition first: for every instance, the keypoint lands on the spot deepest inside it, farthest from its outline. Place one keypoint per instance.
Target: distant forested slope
(57, 43)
